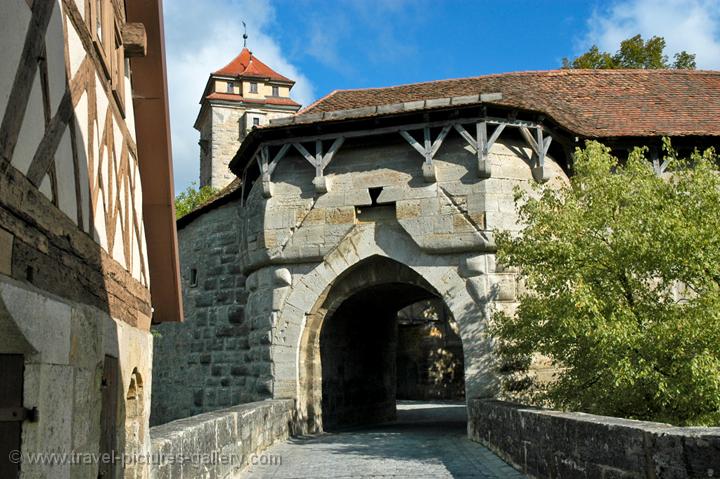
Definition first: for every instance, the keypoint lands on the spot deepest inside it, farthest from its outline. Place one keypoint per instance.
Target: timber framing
(72, 204)
(537, 137)
(53, 254)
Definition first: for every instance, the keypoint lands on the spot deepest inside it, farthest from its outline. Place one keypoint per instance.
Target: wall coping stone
(548, 444)
(239, 431)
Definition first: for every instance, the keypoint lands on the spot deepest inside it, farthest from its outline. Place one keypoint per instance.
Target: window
(193, 278)
(230, 87)
(253, 87)
(275, 91)
(256, 121)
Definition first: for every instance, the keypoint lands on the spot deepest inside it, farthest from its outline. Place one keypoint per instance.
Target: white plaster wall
(14, 20)
(32, 130)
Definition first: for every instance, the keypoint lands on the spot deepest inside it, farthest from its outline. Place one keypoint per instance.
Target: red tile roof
(589, 103)
(248, 65)
(269, 100)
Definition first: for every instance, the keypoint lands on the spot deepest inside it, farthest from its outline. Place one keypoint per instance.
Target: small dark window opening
(275, 91)
(375, 194)
(375, 211)
(30, 274)
(230, 87)
(253, 87)
(256, 121)
(193, 277)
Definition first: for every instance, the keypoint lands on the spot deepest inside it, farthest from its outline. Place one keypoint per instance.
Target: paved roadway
(427, 441)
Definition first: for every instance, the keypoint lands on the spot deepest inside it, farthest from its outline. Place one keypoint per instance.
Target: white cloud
(201, 37)
(691, 25)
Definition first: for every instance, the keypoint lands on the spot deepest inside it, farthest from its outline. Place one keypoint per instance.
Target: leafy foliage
(191, 198)
(634, 53)
(622, 270)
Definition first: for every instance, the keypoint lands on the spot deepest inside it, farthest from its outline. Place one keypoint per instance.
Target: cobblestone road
(428, 441)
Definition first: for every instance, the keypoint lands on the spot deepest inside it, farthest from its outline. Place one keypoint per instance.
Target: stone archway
(348, 372)
(302, 307)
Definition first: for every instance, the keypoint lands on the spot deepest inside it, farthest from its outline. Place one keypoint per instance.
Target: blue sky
(328, 45)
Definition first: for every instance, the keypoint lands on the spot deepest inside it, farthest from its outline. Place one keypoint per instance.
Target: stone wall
(429, 353)
(224, 143)
(205, 363)
(551, 444)
(231, 436)
(65, 348)
(247, 339)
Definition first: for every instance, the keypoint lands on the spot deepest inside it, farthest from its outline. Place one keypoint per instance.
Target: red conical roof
(247, 65)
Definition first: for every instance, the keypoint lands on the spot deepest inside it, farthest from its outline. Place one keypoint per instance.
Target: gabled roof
(248, 65)
(589, 103)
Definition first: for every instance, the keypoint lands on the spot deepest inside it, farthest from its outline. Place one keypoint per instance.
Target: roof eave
(314, 124)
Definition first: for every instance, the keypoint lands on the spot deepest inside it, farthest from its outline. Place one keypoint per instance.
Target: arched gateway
(295, 275)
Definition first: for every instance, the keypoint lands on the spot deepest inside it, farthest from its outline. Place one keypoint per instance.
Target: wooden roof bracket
(319, 160)
(428, 149)
(480, 144)
(539, 145)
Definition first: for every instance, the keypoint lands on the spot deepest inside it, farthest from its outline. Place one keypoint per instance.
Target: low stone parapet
(552, 444)
(219, 444)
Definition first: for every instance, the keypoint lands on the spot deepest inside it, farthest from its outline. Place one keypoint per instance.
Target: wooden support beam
(263, 162)
(530, 140)
(439, 140)
(496, 134)
(467, 136)
(546, 144)
(482, 149)
(306, 154)
(480, 144)
(426, 150)
(413, 142)
(327, 158)
(134, 40)
(279, 156)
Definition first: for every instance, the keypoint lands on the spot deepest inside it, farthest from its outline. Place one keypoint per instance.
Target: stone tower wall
(205, 363)
(223, 130)
(243, 340)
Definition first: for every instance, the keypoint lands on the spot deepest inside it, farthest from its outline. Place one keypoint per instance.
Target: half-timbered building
(88, 250)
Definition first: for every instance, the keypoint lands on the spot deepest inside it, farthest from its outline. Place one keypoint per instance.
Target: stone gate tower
(243, 94)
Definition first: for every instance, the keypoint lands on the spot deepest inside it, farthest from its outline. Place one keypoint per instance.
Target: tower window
(275, 91)
(256, 121)
(253, 87)
(230, 87)
(193, 278)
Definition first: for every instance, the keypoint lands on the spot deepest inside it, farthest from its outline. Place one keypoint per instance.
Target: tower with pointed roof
(242, 95)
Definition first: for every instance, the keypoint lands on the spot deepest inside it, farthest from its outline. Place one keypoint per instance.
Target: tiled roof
(590, 103)
(270, 100)
(248, 65)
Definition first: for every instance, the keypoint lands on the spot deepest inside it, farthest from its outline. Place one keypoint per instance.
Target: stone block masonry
(551, 444)
(228, 439)
(206, 363)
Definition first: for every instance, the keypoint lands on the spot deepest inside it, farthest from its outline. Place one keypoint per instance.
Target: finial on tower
(245, 36)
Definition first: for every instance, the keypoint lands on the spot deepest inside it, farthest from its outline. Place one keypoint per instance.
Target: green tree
(622, 273)
(633, 53)
(191, 198)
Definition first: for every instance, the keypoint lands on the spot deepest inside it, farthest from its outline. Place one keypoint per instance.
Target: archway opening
(430, 358)
(350, 346)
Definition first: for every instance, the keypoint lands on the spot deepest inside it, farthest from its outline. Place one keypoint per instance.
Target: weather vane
(245, 36)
